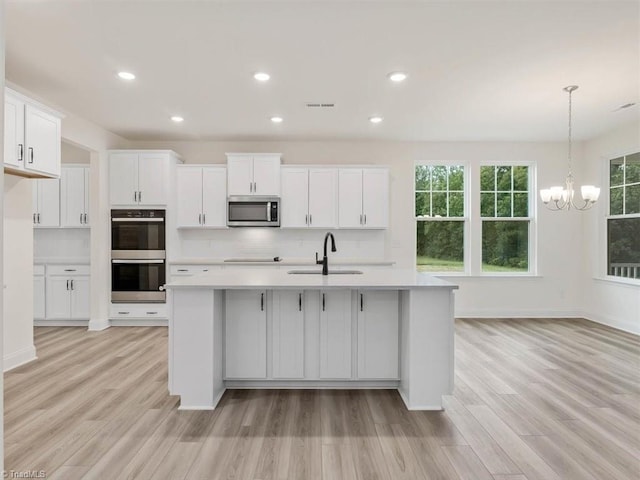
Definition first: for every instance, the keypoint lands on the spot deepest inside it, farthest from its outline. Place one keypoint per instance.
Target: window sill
(488, 275)
(629, 282)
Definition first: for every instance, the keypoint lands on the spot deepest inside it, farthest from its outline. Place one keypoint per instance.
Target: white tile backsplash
(61, 242)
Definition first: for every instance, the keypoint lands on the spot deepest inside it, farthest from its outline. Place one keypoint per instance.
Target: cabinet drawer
(38, 270)
(68, 270)
(184, 270)
(138, 310)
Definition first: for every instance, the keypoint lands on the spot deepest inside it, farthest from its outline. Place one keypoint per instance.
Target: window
(440, 220)
(623, 222)
(504, 208)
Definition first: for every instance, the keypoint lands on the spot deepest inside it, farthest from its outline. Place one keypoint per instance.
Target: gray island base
(267, 328)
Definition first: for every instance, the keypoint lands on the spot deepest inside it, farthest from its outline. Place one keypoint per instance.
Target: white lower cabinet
(335, 334)
(38, 292)
(288, 326)
(138, 311)
(67, 292)
(246, 334)
(377, 334)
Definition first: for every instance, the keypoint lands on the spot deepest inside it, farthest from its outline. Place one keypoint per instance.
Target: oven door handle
(137, 261)
(138, 220)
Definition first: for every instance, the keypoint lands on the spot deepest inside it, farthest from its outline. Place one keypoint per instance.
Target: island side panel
(427, 347)
(196, 338)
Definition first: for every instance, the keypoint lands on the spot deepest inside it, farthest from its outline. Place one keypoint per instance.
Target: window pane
(456, 178)
(616, 172)
(439, 178)
(422, 177)
(439, 204)
(521, 179)
(632, 199)
(615, 201)
(440, 246)
(487, 178)
(504, 205)
(422, 204)
(503, 178)
(632, 168)
(456, 204)
(624, 248)
(505, 246)
(520, 205)
(487, 204)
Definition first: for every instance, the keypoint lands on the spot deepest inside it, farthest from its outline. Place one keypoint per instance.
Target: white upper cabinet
(139, 177)
(46, 202)
(308, 197)
(253, 174)
(74, 196)
(363, 197)
(201, 196)
(31, 137)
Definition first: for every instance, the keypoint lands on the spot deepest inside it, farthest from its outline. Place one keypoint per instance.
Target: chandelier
(562, 198)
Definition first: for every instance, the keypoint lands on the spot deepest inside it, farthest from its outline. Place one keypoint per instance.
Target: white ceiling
(477, 70)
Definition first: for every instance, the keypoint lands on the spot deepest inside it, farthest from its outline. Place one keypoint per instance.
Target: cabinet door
(58, 304)
(266, 175)
(48, 202)
(335, 334)
(87, 182)
(378, 334)
(322, 197)
(246, 334)
(214, 196)
(294, 202)
(42, 138)
(14, 148)
(240, 175)
(153, 178)
(375, 197)
(38, 297)
(350, 198)
(288, 334)
(80, 298)
(189, 193)
(72, 197)
(123, 178)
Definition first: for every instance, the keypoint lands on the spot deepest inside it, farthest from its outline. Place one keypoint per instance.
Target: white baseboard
(15, 359)
(625, 326)
(489, 313)
(128, 322)
(418, 407)
(96, 326)
(60, 323)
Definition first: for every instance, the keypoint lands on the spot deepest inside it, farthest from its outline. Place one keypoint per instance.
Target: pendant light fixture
(562, 197)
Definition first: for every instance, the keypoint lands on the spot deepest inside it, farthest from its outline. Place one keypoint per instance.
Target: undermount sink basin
(319, 272)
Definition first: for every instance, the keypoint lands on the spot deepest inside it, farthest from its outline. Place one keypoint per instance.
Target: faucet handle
(318, 262)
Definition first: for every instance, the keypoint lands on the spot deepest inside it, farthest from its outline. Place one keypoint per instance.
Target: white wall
(554, 292)
(614, 302)
(18, 266)
(72, 154)
(1, 228)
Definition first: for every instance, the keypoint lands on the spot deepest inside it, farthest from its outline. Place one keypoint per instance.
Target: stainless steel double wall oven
(138, 256)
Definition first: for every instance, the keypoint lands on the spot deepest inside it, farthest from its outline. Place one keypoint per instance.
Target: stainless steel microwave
(253, 211)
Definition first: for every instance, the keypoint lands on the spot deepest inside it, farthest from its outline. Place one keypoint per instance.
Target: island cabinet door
(377, 334)
(335, 334)
(246, 334)
(288, 334)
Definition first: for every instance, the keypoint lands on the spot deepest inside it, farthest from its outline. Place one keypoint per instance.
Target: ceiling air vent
(320, 105)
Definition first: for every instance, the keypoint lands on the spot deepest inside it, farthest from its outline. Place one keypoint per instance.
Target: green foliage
(615, 200)
(504, 191)
(440, 241)
(616, 172)
(506, 244)
(624, 240)
(439, 191)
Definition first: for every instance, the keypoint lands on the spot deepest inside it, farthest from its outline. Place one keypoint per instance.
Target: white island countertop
(251, 279)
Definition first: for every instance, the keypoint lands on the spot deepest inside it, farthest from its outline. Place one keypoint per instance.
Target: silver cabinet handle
(34, 218)
(30, 154)
(152, 313)
(199, 219)
(69, 269)
(20, 152)
(268, 211)
(86, 219)
(323, 302)
(365, 218)
(306, 219)
(81, 217)
(310, 219)
(71, 284)
(360, 219)
(139, 196)
(135, 196)
(38, 217)
(67, 284)
(183, 270)
(262, 302)
(123, 313)
(204, 218)
(361, 302)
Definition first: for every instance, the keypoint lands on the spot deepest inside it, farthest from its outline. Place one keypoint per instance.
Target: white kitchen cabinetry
(74, 196)
(377, 334)
(201, 196)
(363, 197)
(335, 334)
(288, 334)
(246, 334)
(309, 197)
(138, 311)
(253, 174)
(46, 202)
(38, 292)
(190, 270)
(140, 177)
(31, 137)
(67, 292)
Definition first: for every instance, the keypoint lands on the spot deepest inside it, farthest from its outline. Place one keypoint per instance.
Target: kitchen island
(271, 328)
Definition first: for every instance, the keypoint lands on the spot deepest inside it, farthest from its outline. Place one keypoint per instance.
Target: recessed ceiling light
(126, 75)
(375, 119)
(261, 76)
(397, 76)
(276, 119)
(177, 119)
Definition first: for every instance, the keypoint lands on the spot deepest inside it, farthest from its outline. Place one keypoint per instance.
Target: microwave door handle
(137, 261)
(268, 211)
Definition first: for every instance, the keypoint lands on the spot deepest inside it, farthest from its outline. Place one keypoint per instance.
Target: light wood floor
(534, 399)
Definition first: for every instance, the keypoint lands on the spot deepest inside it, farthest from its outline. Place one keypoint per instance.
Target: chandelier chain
(569, 153)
